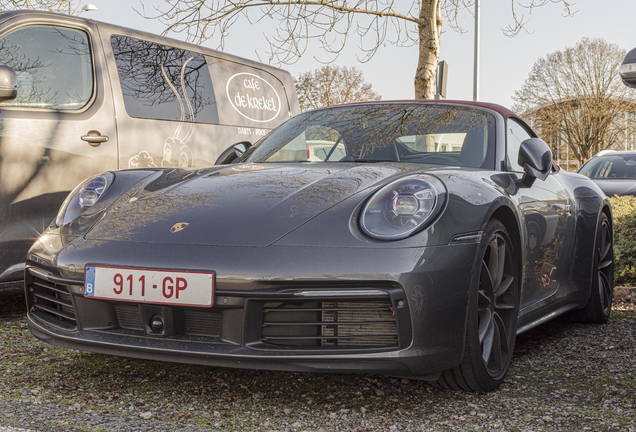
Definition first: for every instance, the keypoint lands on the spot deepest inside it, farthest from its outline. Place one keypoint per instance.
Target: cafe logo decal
(253, 97)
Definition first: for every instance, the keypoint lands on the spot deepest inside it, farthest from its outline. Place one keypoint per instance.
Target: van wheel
(493, 311)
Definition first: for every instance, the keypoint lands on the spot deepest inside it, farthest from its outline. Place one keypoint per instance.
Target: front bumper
(391, 311)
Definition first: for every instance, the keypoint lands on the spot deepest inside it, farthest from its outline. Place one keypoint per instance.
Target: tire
(599, 306)
(493, 311)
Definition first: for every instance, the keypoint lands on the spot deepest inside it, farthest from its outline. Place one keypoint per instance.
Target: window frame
(91, 45)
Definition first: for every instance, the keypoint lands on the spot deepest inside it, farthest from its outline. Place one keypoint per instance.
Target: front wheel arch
(508, 218)
(599, 304)
(492, 318)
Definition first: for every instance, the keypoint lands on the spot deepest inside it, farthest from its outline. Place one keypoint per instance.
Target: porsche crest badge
(179, 226)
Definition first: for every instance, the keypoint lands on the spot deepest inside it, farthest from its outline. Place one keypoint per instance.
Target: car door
(546, 213)
(59, 130)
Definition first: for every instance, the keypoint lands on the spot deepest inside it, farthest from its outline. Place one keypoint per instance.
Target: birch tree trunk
(430, 30)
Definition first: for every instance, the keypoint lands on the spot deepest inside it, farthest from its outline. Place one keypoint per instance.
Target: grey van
(93, 97)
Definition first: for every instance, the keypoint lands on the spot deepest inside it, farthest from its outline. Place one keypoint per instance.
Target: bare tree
(576, 96)
(333, 85)
(334, 22)
(63, 6)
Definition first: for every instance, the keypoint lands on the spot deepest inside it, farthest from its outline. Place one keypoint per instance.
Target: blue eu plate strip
(89, 282)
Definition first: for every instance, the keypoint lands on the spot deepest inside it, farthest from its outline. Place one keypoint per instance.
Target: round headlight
(83, 197)
(402, 207)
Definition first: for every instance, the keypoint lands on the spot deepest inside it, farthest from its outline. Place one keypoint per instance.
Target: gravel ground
(564, 376)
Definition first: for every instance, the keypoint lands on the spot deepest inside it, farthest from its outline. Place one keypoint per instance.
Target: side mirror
(8, 84)
(536, 159)
(233, 152)
(628, 69)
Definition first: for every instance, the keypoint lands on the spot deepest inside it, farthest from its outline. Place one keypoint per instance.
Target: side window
(53, 66)
(163, 82)
(515, 134)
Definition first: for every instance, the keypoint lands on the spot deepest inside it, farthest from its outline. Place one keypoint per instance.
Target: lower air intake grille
(195, 323)
(52, 302)
(129, 317)
(202, 323)
(351, 323)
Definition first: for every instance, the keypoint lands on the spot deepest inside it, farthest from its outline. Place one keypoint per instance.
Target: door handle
(94, 138)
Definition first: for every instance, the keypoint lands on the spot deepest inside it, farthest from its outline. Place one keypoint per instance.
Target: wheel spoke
(606, 250)
(487, 344)
(483, 301)
(603, 235)
(500, 345)
(503, 332)
(487, 284)
(605, 290)
(485, 320)
(503, 286)
(501, 258)
(493, 262)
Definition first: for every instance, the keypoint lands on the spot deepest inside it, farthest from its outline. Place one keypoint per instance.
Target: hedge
(624, 212)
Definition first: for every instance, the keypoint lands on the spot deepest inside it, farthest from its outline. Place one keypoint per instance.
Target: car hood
(617, 186)
(242, 205)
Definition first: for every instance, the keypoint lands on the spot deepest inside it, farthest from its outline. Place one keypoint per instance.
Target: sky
(504, 62)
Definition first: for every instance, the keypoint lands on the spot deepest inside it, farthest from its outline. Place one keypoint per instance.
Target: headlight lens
(403, 207)
(83, 197)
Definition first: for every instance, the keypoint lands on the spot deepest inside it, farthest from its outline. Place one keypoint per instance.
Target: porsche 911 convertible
(418, 241)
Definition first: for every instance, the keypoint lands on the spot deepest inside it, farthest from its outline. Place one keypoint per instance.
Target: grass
(564, 376)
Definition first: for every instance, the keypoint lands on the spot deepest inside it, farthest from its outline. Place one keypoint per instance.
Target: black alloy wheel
(599, 306)
(492, 316)
(496, 307)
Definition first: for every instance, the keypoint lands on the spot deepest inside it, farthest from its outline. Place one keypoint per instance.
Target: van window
(53, 66)
(163, 82)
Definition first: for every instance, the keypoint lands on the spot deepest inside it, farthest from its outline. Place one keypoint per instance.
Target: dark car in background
(420, 242)
(613, 171)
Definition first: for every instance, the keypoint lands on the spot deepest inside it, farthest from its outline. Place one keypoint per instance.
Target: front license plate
(174, 287)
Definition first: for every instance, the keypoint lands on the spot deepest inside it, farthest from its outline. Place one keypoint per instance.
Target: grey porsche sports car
(412, 239)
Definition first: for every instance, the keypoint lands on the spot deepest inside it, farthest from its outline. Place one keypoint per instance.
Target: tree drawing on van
(185, 158)
(165, 83)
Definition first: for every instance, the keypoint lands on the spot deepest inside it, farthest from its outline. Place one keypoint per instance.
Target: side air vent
(351, 323)
(52, 301)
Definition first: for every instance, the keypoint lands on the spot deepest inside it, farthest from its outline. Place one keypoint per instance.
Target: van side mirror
(8, 84)
(628, 69)
(536, 159)
(233, 152)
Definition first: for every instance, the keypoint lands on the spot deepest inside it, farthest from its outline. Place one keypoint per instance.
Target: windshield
(400, 132)
(611, 167)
